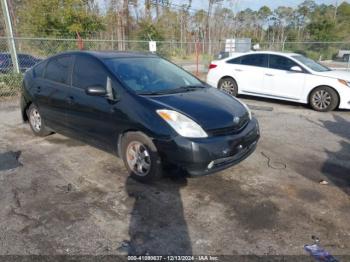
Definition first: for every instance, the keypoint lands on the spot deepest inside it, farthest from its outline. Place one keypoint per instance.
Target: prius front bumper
(202, 156)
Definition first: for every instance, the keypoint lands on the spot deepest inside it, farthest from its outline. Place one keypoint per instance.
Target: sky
(256, 4)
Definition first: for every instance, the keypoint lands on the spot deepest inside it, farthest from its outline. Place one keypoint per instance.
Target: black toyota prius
(144, 108)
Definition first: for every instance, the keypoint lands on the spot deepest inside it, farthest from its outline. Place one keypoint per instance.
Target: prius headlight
(247, 108)
(344, 82)
(183, 125)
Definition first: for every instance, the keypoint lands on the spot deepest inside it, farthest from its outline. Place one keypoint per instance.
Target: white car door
(249, 72)
(281, 81)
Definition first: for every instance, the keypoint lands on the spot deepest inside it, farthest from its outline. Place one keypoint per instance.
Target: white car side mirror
(296, 69)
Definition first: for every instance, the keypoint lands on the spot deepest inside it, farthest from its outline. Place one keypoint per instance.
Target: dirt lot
(60, 196)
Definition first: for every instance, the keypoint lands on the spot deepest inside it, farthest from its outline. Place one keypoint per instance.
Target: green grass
(10, 84)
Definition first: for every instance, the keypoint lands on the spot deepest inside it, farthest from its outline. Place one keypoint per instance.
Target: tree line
(170, 21)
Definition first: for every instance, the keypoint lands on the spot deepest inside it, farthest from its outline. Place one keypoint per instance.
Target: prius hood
(338, 74)
(209, 107)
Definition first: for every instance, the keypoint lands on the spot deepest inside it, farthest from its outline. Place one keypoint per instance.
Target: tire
(229, 86)
(37, 124)
(148, 166)
(324, 99)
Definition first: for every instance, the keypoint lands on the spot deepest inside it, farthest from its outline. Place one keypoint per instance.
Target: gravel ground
(61, 196)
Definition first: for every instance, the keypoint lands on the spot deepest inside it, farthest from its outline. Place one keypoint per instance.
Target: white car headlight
(183, 125)
(344, 82)
(247, 108)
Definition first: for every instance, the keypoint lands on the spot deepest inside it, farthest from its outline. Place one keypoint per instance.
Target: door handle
(238, 70)
(268, 74)
(70, 100)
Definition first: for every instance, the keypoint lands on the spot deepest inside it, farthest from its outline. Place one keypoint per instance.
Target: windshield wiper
(188, 88)
(180, 89)
(155, 93)
(191, 87)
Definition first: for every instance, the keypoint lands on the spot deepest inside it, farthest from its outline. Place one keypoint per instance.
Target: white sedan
(285, 76)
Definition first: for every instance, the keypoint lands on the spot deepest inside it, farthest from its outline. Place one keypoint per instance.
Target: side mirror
(96, 91)
(296, 69)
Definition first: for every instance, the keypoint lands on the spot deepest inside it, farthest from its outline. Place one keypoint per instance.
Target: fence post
(197, 58)
(9, 31)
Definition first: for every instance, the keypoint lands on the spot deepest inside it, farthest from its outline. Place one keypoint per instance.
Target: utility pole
(9, 32)
(211, 2)
(148, 9)
(335, 11)
(157, 9)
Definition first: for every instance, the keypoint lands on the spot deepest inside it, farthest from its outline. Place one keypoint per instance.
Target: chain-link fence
(333, 54)
(192, 56)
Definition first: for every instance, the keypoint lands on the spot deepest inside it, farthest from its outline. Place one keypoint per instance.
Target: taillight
(211, 66)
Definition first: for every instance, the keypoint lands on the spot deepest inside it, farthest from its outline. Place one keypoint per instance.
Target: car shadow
(157, 224)
(337, 168)
(272, 101)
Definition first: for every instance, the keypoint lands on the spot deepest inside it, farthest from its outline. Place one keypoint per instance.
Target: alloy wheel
(35, 120)
(228, 87)
(138, 158)
(321, 99)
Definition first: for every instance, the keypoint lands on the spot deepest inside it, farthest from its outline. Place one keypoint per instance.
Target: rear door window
(281, 62)
(5, 59)
(25, 60)
(235, 61)
(87, 72)
(259, 60)
(58, 69)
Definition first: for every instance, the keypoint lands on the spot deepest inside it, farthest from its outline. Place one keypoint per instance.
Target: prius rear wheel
(324, 99)
(141, 157)
(36, 122)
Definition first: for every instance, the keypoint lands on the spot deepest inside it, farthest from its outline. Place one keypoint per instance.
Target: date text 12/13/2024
(173, 258)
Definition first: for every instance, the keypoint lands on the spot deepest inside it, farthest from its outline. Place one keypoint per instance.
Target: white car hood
(338, 74)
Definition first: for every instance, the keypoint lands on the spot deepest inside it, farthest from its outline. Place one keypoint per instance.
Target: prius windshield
(313, 65)
(152, 75)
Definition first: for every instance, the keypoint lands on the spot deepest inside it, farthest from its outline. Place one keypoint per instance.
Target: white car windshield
(311, 63)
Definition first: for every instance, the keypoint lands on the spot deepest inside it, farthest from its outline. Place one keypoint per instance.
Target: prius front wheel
(141, 157)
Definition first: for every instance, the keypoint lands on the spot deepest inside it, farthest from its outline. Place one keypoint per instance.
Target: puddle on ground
(9, 160)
